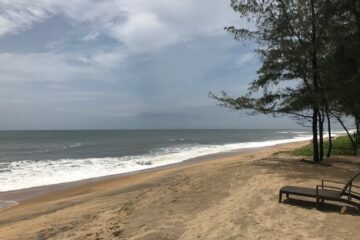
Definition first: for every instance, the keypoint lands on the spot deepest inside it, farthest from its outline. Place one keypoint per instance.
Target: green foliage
(341, 69)
(310, 61)
(286, 49)
(309, 52)
(341, 146)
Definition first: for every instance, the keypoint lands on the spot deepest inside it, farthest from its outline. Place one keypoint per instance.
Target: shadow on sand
(328, 207)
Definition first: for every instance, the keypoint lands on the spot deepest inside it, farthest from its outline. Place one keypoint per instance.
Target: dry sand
(232, 197)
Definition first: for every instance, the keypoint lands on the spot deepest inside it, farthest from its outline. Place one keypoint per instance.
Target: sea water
(38, 158)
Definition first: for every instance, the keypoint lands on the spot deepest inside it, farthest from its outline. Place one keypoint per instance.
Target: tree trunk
(358, 130)
(315, 84)
(329, 131)
(347, 131)
(356, 137)
(321, 135)
(315, 137)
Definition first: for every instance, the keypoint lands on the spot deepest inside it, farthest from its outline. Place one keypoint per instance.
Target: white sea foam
(333, 133)
(176, 140)
(296, 132)
(29, 173)
(78, 144)
(7, 204)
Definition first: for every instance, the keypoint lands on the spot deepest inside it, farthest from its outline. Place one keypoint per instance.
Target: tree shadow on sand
(298, 170)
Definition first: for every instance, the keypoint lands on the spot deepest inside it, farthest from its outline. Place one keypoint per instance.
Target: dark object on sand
(324, 192)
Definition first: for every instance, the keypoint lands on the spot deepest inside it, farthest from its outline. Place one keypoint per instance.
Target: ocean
(37, 158)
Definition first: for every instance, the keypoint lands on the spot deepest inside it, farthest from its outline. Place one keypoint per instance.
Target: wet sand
(11, 198)
(231, 196)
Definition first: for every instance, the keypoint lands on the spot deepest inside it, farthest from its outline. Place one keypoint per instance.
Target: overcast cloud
(121, 64)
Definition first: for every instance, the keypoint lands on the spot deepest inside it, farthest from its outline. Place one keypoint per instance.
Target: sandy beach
(228, 197)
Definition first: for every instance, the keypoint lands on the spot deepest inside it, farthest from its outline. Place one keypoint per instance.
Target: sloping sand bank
(232, 197)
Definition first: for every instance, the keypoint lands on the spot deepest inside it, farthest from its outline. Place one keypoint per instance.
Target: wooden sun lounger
(327, 191)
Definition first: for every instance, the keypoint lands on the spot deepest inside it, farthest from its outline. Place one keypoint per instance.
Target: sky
(121, 64)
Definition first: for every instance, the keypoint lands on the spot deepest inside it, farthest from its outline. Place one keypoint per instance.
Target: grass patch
(341, 146)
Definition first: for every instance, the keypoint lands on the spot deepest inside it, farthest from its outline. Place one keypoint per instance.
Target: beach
(225, 197)
(179, 120)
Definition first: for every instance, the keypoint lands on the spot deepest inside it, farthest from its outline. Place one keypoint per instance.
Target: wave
(294, 132)
(342, 131)
(28, 173)
(333, 133)
(176, 140)
(78, 144)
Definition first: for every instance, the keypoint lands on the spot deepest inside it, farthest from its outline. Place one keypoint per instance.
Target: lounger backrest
(349, 182)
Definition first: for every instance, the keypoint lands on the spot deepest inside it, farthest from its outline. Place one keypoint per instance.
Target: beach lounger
(327, 191)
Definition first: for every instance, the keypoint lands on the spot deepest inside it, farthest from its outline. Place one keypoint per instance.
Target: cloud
(43, 67)
(150, 24)
(141, 25)
(119, 63)
(245, 58)
(6, 25)
(91, 36)
(135, 27)
(20, 15)
(144, 32)
(101, 58)
(108, 59)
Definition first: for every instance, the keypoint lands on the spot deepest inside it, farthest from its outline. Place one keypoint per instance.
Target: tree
(291, 35)
(341, 69)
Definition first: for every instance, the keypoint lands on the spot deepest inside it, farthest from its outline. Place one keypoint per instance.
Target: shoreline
(16, 197)
(12, 198)
(28, 192)
(217, 197)
(32, 173)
